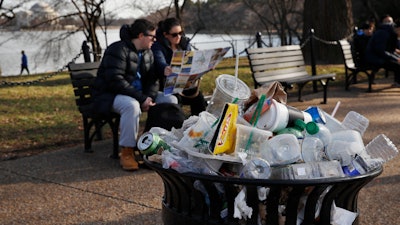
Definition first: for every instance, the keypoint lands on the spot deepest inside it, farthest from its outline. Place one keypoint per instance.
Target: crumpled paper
(273, 90)
(241, 209)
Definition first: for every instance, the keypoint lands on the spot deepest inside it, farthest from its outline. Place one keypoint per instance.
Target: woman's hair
(167, 24)
(140, 26)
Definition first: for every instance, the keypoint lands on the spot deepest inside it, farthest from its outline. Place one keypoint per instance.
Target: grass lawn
(43, 116)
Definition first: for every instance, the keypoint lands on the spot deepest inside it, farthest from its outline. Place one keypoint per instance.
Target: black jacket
(381, 46)
(118, 70)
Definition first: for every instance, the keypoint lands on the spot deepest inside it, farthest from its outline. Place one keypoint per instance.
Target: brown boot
(127, 160)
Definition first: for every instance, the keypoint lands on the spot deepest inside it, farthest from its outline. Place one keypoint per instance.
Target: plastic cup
(355, 121)
(227, 89)
(249, 140)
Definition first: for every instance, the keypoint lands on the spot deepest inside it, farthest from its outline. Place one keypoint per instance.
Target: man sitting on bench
(126, 83)
(382, 50)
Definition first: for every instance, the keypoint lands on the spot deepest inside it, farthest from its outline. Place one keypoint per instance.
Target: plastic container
(310, 170)
(381, 147)
(317, 114)
(227, 89)
(312, 149)
(256, 169)
(332, 123)
(281, 149)
(357, 167)
(280, 116)
(355, 121)
(249, 140)
(341, 151)
(353, 138)
(296, 130)
(320, 131)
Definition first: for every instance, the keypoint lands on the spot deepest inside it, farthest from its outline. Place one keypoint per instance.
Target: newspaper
(189, 66)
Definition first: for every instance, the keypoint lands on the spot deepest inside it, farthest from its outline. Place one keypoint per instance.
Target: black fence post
(259, 40)
(313, 67)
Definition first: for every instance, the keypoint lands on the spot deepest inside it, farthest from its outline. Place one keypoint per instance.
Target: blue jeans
(129, 109)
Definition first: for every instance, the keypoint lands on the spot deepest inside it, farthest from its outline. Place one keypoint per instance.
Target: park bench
(82, 76)
(286, 65)
(351, 70)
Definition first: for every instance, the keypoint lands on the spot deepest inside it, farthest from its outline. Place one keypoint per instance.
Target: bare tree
(89, 12)
(7, 13)
(280, 17)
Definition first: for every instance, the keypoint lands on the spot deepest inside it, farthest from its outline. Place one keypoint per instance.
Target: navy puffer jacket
(117, 72)
(381, 45)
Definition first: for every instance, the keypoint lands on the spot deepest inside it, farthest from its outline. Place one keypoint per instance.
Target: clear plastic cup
(382, 147)
(355, 121)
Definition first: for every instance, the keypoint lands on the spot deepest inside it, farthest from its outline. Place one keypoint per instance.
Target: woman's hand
(167, 71)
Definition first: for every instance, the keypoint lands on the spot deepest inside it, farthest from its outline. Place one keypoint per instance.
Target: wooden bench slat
(83, 66)
(284, 64)
(82, 76)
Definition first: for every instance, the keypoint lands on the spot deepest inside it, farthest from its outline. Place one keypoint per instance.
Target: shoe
(127, 159)
(396, 85)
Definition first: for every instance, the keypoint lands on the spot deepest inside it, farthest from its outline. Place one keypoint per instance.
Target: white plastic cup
(355, 121)
(382, 147)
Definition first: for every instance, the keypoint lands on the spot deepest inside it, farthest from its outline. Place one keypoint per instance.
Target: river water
(11, 44)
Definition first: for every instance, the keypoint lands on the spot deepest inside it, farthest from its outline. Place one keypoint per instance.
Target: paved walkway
(71, 187)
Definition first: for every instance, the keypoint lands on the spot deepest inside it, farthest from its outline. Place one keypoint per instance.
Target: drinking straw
(236, 68)
(335, 109)
(254, 119)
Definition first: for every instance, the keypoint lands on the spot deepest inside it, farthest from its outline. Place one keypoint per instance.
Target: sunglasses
(176, 34)
(153, 37)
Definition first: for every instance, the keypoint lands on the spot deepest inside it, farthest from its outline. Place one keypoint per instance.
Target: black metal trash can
(185, 205)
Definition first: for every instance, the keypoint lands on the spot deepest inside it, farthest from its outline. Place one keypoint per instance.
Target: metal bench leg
(86, 134)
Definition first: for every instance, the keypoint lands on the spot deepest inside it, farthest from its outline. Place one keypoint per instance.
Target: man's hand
(147, 104)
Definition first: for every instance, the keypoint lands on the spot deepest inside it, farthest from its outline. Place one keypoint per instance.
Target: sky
(121, 8)
(126, 8)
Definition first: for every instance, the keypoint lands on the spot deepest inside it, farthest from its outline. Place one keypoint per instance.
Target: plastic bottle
(382, 149)
(355, 121)
(296, 130)
(312, 149)
(281, 149)
(320, 131)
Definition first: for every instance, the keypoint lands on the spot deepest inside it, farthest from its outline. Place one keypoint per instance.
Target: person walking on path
(24, 63)
(127, 84)
(86, 51)
(170, 38)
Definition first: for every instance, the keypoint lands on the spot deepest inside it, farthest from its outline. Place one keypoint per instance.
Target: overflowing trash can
(260, 161)
(184, 203)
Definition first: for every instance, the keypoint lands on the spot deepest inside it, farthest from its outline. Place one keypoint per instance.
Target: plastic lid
(312, 128)
(299, 124)
(233, 87)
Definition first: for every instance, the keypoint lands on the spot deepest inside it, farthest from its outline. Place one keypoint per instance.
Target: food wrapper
(223, 140)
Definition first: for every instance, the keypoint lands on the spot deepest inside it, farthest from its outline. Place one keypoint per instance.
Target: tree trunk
(331, 21)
